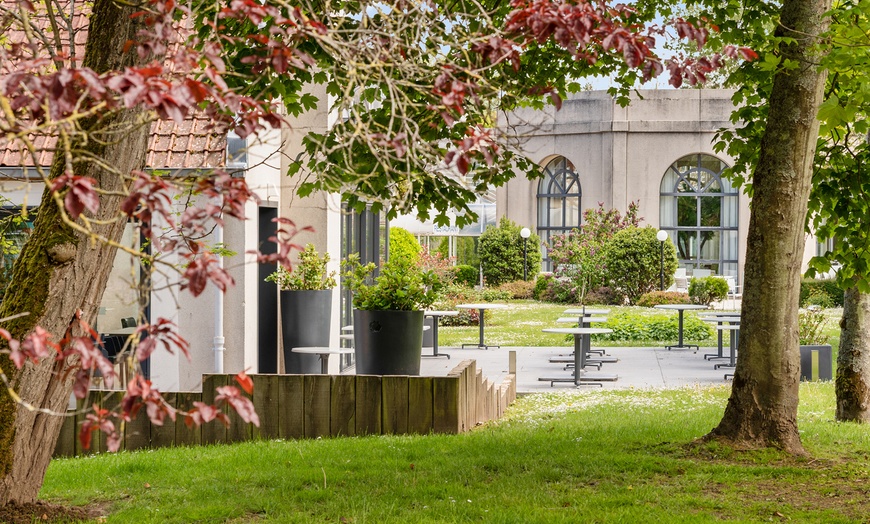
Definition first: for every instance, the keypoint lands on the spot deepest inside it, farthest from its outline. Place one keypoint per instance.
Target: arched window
(698, 209)
(558, 201)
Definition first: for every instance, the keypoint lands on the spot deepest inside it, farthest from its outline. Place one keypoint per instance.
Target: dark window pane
(711, 211)
(687, 211)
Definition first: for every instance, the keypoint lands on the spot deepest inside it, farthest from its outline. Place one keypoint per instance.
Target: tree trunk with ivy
(762, 409)
(853, 359)
(60, 271)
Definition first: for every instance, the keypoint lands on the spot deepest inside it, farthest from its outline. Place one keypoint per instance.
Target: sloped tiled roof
(189, 145)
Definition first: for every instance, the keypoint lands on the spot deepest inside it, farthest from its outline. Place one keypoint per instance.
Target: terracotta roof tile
(189, 145)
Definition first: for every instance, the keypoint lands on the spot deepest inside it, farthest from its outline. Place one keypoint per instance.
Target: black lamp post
(525, 233)
(661, 236)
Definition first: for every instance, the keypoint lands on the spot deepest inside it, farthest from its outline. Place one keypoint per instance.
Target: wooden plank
(164, 436)
(317, 404)
(111, 400)
(266, 405)
(66, 440)
(480, 414)
(239, 430)
(137, 433)
(368, 405)
(291, 407)
(445, 405)
(463, 400)
(492, 397)
(213, 432)
(187, 436)
(395, 404)
(342, 421)
(457, 370)
(420, 400)
(86, 406)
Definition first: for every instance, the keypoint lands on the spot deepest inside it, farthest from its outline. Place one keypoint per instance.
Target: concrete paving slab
(637, 367)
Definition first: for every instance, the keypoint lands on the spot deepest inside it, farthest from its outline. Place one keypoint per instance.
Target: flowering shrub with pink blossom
(578, 256)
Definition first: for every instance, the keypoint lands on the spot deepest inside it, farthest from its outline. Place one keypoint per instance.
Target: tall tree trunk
(853, 359)
(762, 409)
(60, 272)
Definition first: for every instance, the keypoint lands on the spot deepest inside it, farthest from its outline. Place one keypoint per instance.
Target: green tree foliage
(501, 253)
(403, 245)
(633, 258)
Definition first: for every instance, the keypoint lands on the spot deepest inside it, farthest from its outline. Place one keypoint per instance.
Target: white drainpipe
(219, 312)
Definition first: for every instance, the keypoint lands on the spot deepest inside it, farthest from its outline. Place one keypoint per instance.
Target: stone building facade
(657, 151)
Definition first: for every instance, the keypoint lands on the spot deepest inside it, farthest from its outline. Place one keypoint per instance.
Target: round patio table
(681, 308)
(481, 308)
(581, 337)
(436, 316)
(323, 352)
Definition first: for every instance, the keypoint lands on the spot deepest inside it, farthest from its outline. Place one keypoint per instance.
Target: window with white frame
(559, 195)
(699, 210)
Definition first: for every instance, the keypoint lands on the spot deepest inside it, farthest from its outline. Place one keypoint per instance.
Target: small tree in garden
(633, 260)
(501, 253)
(578, 256)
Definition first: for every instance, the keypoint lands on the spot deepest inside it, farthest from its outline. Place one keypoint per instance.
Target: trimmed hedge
(631, 326)
(708, 289)
(519, 289)
(466, 275)
(811, 287)
(656, 298)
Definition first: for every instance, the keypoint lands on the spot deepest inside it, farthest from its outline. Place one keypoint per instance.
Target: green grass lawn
(522, 322)
(580, 456)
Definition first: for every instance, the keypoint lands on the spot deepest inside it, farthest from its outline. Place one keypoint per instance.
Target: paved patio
(637, 367)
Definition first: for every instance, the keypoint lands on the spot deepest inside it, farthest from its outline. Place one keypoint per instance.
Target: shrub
(560, 291)
(501, 253)
(708, 289)
(604, 295)
(818, 297)
(630, 326)
(309, 274)
(632, 258)
(466, 275)
(519, 289)
(579, 254)
(811, 286)
(655, 298)
(811, 326)
(491, 295)
(404, 245)
(452, 295)
(440, 265)
(541, 284)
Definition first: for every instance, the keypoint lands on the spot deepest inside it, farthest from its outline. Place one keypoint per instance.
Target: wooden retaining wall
(310, 406)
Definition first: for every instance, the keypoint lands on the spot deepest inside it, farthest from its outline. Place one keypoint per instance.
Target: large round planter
(305, 321)
(388, 342)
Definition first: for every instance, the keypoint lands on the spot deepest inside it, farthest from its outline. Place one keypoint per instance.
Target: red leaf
(748, 54)
(245, 381)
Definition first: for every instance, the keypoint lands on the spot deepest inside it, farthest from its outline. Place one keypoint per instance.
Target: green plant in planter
(401, 285)
(309, 274)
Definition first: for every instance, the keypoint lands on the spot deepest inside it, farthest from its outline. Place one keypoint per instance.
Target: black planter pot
(305, 321)
(387, 342)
